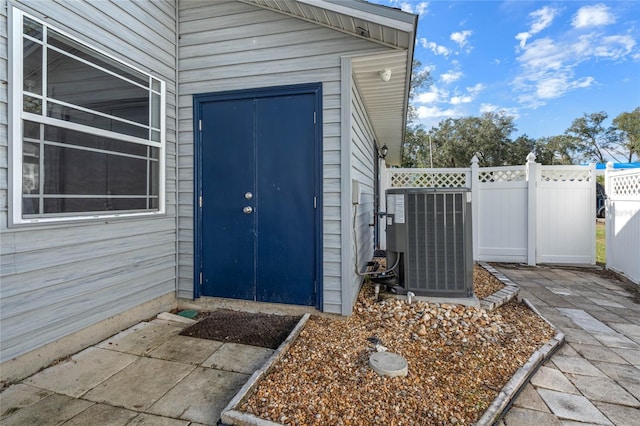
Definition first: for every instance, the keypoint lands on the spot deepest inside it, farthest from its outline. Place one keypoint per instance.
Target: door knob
(248, 195)
(247, 209)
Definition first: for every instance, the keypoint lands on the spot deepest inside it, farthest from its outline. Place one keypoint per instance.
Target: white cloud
(451, 76)
(435, 104)
(545, 54)
(475, 90)
(428, 68)
(551, 88)
(461, 37)
(431, 96)
(551, 68)
(472, 93)
(421, 8)
(548, 71)
(615, 46)
(583, 82)
(435, 112)
(542, 18)
(488, 108)
(457, 100)
(592, 16)
(512, 112)
(523, 37)
(538, 86)
(434, 47)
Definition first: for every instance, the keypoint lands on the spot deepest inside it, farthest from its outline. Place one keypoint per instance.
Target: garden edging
(231, 416)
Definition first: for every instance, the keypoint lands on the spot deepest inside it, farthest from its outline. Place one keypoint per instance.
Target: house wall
(4, 116)
(60, 279)
(362, 170)
(232, 45)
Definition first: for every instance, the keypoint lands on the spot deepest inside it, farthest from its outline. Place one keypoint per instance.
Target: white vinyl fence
(623, 221)
(523, 214)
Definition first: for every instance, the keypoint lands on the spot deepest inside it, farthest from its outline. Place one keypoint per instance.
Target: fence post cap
(474, 160)
(609, 165)
(531, 158)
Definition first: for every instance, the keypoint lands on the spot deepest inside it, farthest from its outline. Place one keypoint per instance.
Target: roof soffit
(385, 102)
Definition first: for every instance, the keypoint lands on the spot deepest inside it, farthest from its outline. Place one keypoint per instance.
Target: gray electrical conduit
(355, 240)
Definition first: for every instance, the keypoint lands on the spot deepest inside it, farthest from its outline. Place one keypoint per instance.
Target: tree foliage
(555, 150)
(592, 141)
(628, 124)
(413, 148)
(455, 141)
(420, 79)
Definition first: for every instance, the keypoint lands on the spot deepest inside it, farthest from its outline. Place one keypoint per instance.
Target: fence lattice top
(503, 175)
(462, 177)
(625, 185)
(427, 179)
(566, 174)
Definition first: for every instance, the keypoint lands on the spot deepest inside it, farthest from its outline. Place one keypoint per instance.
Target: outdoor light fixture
(385, 75)
(383, 151)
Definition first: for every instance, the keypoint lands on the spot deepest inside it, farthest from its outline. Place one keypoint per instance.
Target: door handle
(247, 209)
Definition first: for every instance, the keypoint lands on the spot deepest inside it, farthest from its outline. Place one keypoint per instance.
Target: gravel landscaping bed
(459, 358)
(485, 284)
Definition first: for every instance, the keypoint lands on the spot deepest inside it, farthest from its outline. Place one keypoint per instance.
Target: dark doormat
(256, 329)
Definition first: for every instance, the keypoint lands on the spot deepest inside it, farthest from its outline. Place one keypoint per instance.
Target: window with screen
(88, 129)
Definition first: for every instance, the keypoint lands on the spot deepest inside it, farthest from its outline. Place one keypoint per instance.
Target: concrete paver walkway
(595, 377)
(145, 375)
(150, 375)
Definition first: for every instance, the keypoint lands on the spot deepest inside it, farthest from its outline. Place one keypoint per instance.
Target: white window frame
(17, 115)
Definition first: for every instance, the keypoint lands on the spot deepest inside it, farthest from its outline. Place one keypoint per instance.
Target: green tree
(592, 140)
(420, 79)
(456, 140)
(519, 149)
(628, 124)
(415, 152)
(413, 148)
(555, 150)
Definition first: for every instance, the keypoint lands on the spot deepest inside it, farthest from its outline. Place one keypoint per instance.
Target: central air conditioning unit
(429, 235)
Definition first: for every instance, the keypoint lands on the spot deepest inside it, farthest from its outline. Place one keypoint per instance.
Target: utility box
(429, 235)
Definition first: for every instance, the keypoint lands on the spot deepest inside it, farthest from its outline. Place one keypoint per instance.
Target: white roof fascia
(348, 8)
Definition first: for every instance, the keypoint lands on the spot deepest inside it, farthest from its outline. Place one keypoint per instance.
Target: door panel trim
(314, 89)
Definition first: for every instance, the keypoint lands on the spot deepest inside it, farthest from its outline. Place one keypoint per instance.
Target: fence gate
(501, 216)
(623, 221)
(566, 208)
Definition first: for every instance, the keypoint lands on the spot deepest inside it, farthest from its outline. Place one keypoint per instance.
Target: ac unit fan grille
(435, 258)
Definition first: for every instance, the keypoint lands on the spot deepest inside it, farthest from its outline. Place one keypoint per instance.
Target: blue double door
(258, 222)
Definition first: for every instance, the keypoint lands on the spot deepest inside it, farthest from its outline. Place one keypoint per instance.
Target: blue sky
(545, 63)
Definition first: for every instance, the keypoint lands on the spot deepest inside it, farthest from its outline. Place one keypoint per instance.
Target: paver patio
(149, 375)
(595, 377)
(145, 375)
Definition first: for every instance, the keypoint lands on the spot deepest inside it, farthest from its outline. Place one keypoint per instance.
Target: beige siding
(231, 45)
(59, 279)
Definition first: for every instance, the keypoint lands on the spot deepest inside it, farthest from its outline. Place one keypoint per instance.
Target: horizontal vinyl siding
(232, 45)
(4, 152)
(59, 279)
(362, 170)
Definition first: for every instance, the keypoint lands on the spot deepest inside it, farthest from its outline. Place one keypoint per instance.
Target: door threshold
(207, 303)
